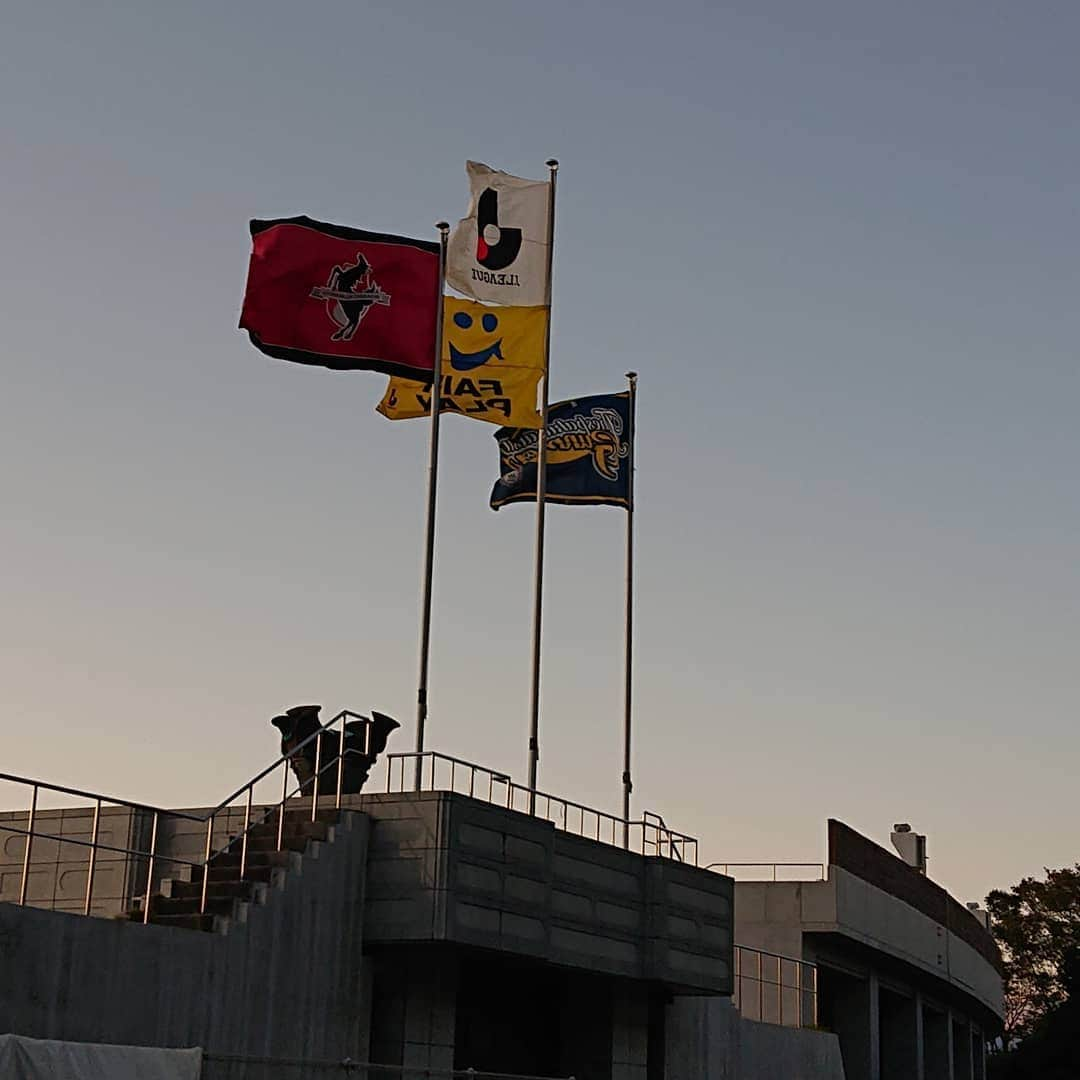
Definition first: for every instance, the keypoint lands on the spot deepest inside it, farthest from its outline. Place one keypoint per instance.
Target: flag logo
(496, 248)
(320, 294)
(588, 450)
(492, 363)
(595, 437)
(498, 252)
(349, 292)
(466, 361)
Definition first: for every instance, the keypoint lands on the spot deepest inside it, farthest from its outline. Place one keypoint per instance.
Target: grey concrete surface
(775, 916)
(288, 981)
(707, 1039)
(444, 867)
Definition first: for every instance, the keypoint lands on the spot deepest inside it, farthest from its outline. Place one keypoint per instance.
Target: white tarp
(47, 1059)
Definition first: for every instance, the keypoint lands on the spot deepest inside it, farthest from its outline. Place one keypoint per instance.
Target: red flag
(342, 298)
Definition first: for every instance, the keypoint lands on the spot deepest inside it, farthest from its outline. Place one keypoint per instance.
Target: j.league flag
(588, 447)
(492, 363)
(342, 298)
(498, 252)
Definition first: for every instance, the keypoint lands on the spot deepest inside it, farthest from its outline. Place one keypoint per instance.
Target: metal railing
(432, 771)
(775, 989)
(243, 1067)
(784, 871)
(326, 777)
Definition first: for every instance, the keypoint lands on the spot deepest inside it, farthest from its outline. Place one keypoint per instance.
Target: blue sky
(838, 241)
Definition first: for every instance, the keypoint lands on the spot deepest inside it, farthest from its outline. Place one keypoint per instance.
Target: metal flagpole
(628, 695)
(541, 505)
(433, 483)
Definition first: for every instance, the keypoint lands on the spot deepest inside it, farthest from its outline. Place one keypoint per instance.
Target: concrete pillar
(853, 1014)
(629, 1033)
(901, 1037)
(962, 1063)
(415, 1011)
(937, 1045)
(430, 1015)
(978, 1053)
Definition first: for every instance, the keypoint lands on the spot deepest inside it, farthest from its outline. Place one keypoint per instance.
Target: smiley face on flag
(473, 330)
(492, 363)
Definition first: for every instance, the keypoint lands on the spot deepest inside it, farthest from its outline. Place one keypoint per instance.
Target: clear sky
(840, 242)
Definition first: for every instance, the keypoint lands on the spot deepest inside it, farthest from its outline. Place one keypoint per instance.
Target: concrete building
(467, 923)
(907, 977)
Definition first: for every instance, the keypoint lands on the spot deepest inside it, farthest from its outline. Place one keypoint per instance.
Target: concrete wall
(58, 869)
(289, 981)
(447, 868)
(707, 1039)
(774, 916)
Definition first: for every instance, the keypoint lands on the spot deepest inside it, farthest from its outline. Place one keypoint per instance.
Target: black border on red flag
(302, 263)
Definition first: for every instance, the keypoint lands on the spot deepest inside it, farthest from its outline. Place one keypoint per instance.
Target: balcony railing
(55, 830)
(775, 989)
(432, 771)
(772, 871)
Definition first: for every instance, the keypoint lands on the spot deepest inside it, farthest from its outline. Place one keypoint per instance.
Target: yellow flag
(492, 363)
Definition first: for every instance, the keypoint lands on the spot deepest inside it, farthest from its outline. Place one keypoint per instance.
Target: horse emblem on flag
(350, 292)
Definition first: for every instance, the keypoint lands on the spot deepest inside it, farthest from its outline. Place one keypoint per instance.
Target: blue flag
(588, 451)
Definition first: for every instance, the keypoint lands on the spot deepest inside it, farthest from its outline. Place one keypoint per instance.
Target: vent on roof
(910, 845)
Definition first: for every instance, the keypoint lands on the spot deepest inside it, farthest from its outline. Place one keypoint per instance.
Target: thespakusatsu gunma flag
(342, 298)
(588, 451)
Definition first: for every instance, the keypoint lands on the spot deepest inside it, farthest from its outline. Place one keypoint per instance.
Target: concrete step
(193, 921)
(161, 906)
(192, 890)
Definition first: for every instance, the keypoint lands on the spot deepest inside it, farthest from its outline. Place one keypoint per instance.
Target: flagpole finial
(631, 375)
(552, 163)
(442, 226)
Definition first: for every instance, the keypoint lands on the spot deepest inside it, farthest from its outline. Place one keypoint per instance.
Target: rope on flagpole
(541, 505)
(433, 483)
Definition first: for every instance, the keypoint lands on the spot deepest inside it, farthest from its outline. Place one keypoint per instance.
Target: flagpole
(629, 663)
(541, 504)
(433, 484)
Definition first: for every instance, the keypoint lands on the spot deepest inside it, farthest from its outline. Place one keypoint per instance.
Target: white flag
(498, 252)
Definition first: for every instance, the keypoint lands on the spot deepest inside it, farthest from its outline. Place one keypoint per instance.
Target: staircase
(228, 896)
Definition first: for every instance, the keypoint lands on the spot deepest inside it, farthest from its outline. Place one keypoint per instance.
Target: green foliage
(1036, 924)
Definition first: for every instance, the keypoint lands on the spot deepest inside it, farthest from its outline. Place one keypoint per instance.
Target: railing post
(26, 850)
(206, 863)
(281, 808)
(318, 770)
(93, 858)
(341, 765)
(760, 987)
(244, 841)
(150, 869)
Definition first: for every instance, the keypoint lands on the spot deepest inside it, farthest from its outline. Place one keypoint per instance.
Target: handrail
(79, 793)
(348, 1065)
(559, 810)
(775, 867)
(284, 757)
(804, 989)
(44, 785)
(206, 818)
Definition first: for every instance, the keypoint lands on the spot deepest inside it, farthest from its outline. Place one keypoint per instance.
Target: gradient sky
(840, 242)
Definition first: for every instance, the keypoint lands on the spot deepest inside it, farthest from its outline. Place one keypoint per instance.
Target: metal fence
(771, 871)
(240, 1067)
(775, 989)
(64, 845)
(432, 771)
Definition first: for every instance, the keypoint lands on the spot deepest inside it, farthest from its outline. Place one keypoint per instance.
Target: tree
(1037, 925)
